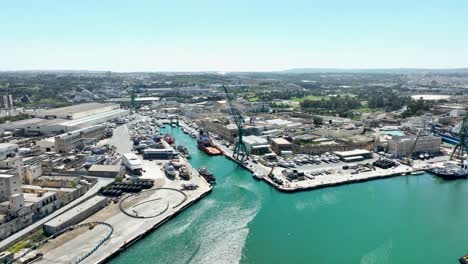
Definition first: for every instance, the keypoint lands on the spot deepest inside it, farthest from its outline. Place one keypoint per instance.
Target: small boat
(169, 139)
(189, 186)
(184, 173)
(283, 164)
(176, 163)
(182, 149)
(208, 176)
(170, 171)
(417, 172)
(463, 259)
(257, 176)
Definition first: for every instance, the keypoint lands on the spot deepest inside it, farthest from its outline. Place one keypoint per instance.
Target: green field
(309, 97)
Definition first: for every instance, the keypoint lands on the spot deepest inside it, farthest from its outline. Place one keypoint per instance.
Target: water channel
(407, 219)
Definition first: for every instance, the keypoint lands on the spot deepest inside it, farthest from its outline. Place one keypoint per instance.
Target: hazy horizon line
(247, 71)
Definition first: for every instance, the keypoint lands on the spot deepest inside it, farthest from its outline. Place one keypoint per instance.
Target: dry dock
(144, 212)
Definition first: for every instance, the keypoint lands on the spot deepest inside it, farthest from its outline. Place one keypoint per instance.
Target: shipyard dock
(161, 205)
(334, 175)
(130, 218)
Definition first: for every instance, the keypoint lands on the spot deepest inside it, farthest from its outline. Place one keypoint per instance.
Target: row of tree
(340, 104)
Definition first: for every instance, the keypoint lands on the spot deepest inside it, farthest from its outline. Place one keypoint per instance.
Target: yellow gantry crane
(409, 158)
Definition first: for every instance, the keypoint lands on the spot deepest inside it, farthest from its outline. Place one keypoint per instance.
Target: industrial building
(354, 155)
(401, 146)
(281, 145)
(65, 119)
(66, 142)
(75, 215)
(22, 205)
(256, 145)
(126, 101)
(78, 111)
(7, 150)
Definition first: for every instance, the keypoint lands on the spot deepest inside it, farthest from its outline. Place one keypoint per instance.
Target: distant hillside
(393, 71)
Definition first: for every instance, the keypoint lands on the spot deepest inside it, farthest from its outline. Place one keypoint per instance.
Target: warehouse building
(66, 142)
(65, 119)
(401, 146)
(75, 215)
(281, 145)
(256, 145)
(78, 111)
(354, 155)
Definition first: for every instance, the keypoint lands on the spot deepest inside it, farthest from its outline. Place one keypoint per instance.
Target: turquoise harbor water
(407, 219)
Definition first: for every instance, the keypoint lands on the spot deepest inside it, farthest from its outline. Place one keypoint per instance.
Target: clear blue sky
(237, 35)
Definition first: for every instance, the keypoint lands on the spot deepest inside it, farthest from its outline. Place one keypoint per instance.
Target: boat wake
(208, 204)
(222, 239)
(380, 255)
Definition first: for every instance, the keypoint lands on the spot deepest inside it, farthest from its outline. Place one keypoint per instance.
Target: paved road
(4, 244)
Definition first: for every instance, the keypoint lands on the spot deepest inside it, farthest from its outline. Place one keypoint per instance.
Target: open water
(407, 219)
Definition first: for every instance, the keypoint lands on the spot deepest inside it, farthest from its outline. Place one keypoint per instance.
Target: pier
(132, 217)
(337, 177)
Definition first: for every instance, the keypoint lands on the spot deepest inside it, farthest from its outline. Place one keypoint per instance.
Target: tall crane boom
(410, 154)
(462, 148)
(409, 157)
(240, 150)
(132, 94)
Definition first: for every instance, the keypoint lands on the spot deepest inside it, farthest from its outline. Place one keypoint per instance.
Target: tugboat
(184, 151)
(451, 171)
(207, 175)
(205, 144)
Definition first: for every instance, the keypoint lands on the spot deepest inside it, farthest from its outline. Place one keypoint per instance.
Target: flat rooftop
(85, 120)
(412, 138)
(70, 214)
(255, 140)
(36, 187)
(138, 99)
(350, 153)
(74, 108)
(30, 198)
(281, 141)
(36, 122)
(7, 176)
(104, 168)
